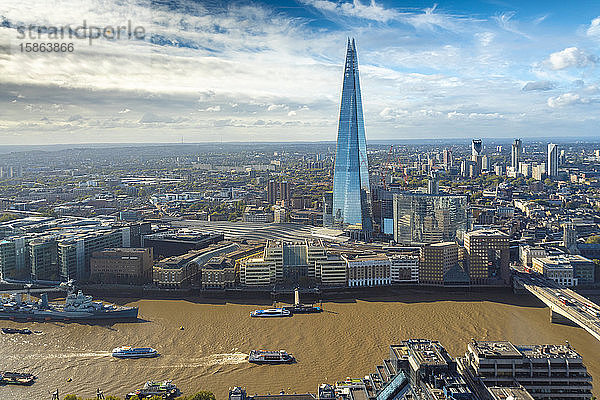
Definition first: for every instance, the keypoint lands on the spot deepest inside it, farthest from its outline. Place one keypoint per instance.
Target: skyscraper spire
(351, 191)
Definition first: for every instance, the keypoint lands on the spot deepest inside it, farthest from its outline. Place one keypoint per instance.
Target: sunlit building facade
(351, 191)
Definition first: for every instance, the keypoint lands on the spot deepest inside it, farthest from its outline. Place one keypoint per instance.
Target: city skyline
(267, 71)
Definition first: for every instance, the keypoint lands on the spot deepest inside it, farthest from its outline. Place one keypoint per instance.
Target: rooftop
(499, 349)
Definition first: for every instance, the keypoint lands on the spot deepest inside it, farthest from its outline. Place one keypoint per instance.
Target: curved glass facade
(351, 191)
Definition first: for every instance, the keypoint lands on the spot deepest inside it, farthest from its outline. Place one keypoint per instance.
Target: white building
(369, 271)
(404, 269)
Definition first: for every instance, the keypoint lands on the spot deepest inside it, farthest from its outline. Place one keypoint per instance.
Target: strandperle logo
(82, 32)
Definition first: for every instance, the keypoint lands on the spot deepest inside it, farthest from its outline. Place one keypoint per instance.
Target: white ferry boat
(134, 352)
(271, 312)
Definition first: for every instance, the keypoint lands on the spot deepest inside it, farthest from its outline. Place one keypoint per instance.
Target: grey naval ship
(77, 307)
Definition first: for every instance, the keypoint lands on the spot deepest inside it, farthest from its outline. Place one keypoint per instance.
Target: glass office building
(426, 218)
(351, 192)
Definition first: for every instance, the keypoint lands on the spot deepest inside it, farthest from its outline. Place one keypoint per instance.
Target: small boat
(303, 309)
(271, 312)
(166, 390)
(270, 357)
(23, 331)
(16, 378)
(134, 352)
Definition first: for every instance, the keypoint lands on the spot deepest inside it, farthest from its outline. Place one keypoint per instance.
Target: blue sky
(272, 70)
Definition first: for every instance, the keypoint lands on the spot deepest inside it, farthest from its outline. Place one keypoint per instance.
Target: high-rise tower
(552, 169)
(351, 190)
(515, 154)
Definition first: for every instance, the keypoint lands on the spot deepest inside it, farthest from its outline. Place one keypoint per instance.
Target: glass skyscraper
(351, 191)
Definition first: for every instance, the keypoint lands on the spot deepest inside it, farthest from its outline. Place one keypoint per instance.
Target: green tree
(593, 239)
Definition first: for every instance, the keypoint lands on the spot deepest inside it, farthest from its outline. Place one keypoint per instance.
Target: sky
(250, 71)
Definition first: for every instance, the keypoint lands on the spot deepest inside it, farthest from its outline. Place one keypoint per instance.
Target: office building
(476, 157)
(424, 218)
(566, 269)
(75, 251)
(404, 268)
(488, 257)
(432, 373)
(447, 158)
(271, 192)
(177, 271)
(287, 263)
(284, 191)
(218, 273)
(368, 270)
(351, 190)
(545, 371)
(13, 258)
(515, 154)
(538, 171)
(331, 271)
(43, 258)
(122, 265)
(552, 164)
(436, 260)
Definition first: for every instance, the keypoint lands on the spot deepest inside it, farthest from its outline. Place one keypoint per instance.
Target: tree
(202, 395)
(593, 239)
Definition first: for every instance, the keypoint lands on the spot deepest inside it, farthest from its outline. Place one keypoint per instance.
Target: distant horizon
(5, 149)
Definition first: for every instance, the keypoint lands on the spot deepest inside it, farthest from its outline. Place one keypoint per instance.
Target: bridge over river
(566, 306)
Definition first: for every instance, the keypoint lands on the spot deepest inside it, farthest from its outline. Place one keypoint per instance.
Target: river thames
(210, 353)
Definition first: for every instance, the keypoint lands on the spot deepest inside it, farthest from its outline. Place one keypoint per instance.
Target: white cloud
(277, 107)
(124, 111)
(538, 85)
(594, 28)
(216, 108)
(566, 99)
(570, 57)
(291, 113)
(371, 11)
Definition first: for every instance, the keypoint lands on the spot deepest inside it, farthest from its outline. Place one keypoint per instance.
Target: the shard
(351, 191)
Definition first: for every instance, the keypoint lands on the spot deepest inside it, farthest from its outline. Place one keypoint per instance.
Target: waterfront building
(331, 271)
(13, 260)
(436, 260)
(404, 268)
(552, 160)
(515, 155)
(432, 373)
(218, 273)
(351, 189)
(368, 270)
(566, 269)
(425, 218)
(488, 257)
(75, 251)
(176, 271)
(545, 371)
(43, 258)
(122, 265)
(284, 262)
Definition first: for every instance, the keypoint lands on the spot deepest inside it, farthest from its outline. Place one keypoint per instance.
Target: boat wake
(212, 360)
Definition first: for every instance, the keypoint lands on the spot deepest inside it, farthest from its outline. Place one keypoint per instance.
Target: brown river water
(349, 339)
